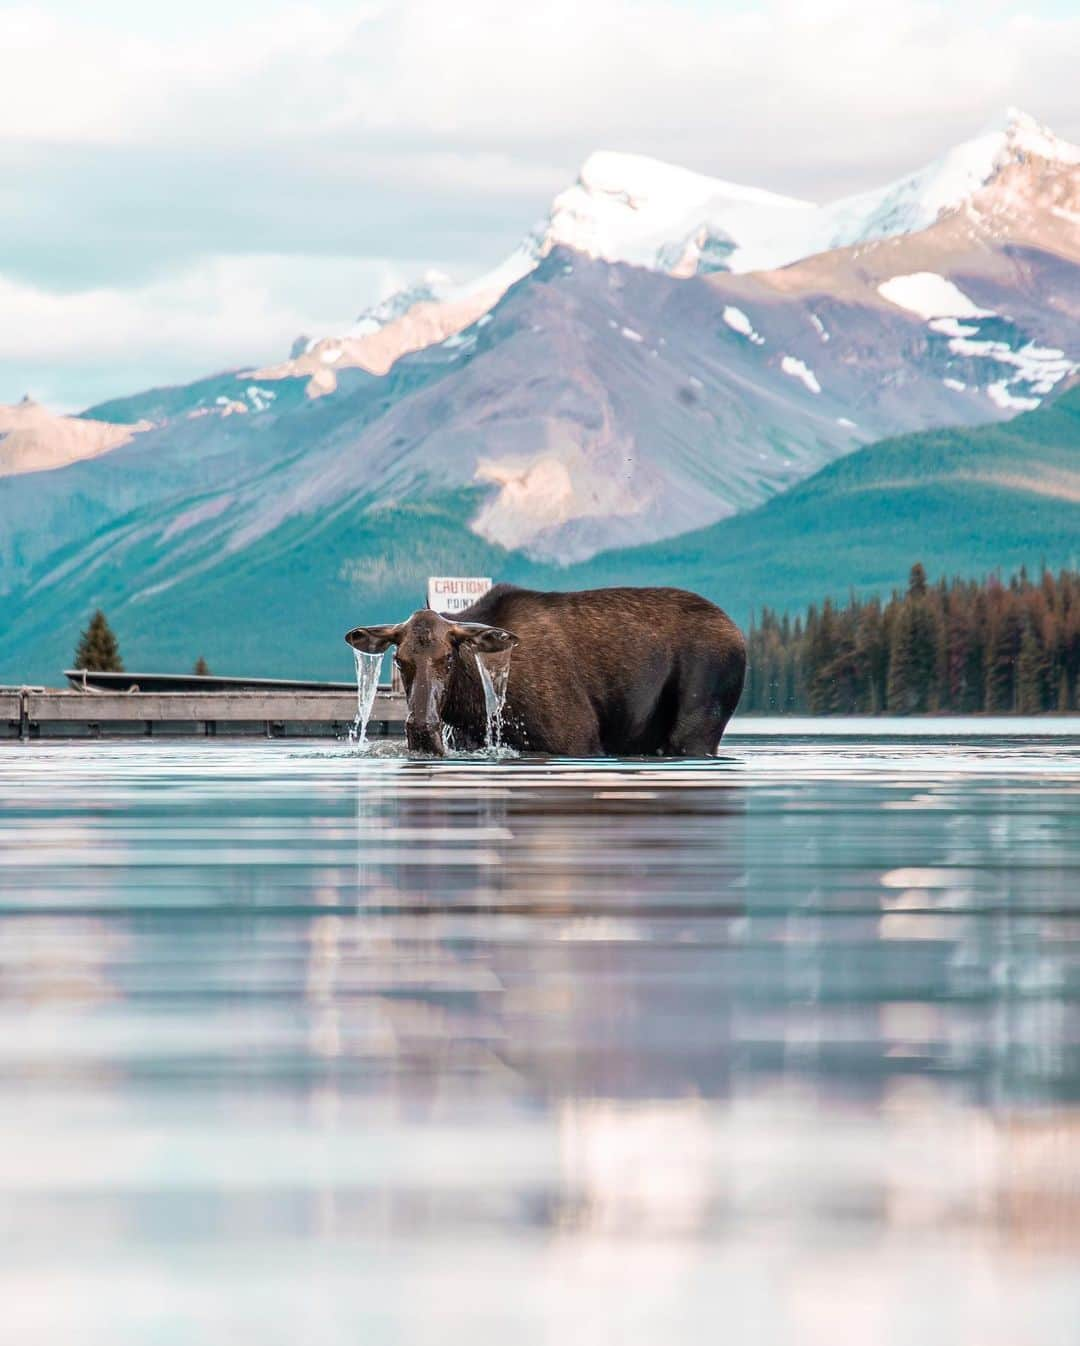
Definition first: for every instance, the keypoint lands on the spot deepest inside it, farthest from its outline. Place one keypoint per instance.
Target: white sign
(455, 595)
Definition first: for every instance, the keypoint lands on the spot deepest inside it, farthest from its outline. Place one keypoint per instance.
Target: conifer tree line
(959, 646)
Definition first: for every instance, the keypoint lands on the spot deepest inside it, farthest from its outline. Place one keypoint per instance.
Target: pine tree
(872, 646)
(912, 683)
(963, 681)
(1032, 667)
(202, 668)
(1002, 658)
(821, 651)
(98, 650)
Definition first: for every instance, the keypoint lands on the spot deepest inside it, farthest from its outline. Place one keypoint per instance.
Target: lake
(300, 1046)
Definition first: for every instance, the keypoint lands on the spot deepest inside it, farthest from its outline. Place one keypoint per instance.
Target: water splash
(494, 681)
(367, 684)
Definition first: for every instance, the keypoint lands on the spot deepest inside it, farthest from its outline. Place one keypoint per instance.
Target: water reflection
(300, 1045)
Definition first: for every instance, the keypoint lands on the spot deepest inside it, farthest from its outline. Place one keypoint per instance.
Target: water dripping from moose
(494, 675)
(368, 667)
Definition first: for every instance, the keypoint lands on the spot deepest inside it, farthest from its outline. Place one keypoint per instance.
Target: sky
(187, 188)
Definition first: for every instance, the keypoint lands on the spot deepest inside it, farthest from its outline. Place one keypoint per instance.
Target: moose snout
(425, 737)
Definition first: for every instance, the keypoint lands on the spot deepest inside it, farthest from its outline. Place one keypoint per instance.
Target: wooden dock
(37, 712)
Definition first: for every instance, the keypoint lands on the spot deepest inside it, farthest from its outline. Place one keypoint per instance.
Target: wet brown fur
(603, 671)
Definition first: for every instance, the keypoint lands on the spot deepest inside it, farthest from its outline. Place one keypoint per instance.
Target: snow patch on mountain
(260, 398)
(983, 335)
(460, 342)
(737, 320)
(950, 327)
(1041, 367)
(999, 394)
(798, 370)
(930, 296)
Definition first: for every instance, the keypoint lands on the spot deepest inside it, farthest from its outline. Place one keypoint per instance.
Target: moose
(603, 672)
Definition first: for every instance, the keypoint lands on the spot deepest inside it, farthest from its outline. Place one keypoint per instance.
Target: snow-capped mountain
(625, 208)
(422, 315)
(642, 212)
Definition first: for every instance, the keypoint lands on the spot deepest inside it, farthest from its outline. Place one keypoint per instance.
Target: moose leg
(706, 703)
(696, 734)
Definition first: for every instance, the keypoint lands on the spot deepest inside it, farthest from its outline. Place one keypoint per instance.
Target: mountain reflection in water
(301, 1045)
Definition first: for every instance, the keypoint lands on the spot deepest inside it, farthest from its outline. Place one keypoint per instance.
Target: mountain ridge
(645, 212)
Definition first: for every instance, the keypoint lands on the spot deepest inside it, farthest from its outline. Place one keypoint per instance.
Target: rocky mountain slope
(599, 405)
(32, 439)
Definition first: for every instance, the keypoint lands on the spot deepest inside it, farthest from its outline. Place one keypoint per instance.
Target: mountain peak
(1023, 135)
(434, 287)
(636, 209)
(638, 181)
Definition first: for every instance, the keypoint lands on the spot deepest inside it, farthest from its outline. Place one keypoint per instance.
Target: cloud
(143, 170)
(70, 348)
(478, 76)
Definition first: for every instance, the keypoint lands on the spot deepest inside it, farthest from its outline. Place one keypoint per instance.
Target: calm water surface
(301, 1047)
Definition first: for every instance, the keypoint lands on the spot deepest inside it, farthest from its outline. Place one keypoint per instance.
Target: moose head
(429, 651)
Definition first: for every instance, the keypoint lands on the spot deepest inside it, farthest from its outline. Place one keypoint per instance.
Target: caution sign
(455, 595)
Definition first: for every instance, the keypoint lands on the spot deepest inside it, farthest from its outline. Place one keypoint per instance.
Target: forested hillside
(992, 498)
(953, 646)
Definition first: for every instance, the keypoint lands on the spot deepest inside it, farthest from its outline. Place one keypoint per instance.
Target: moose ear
(482, 639)
(374, 639)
